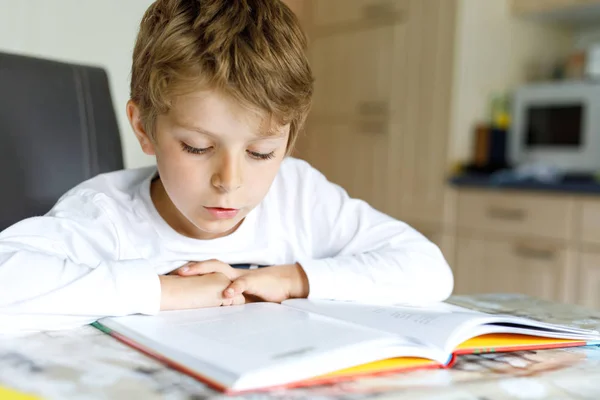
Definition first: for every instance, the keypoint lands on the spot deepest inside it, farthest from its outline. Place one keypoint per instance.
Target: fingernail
(184, 269)
(229, 291)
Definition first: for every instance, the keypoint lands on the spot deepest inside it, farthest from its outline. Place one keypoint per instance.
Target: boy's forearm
(180, 293)
(300, 287)
(187, 292)
(167, 300)
(176, 290)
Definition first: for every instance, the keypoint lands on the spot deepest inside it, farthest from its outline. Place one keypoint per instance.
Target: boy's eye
(261, 156)
(254, 154)
(194, 150)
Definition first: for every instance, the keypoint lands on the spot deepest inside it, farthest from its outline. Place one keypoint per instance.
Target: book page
(238, 340)
(442, 326)
(430, 326)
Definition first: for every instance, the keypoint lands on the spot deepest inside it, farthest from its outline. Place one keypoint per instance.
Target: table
(84, 363)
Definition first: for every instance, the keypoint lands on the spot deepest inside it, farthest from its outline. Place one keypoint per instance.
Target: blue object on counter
(527, 173)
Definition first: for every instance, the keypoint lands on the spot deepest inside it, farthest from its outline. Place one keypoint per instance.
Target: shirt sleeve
(360, 254)
(62, 270)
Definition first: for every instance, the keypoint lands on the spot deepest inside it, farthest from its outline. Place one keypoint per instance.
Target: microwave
(556, 124)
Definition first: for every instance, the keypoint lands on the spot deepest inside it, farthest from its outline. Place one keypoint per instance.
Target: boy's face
(216, 161)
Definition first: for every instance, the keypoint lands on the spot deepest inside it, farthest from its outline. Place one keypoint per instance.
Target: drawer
(590, 221)
(512, 213)
(539, 268)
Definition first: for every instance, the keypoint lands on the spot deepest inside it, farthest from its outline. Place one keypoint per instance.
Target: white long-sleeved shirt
(101, 248)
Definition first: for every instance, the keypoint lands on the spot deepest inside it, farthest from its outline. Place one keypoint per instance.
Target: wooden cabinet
(348, 135)
(534, 267)
(588, 241)
(537, 243)
(589, 279)
(516, 213)
(421, 105)
(347, 12)
(589, 222)
(351, 154)
(353, 73)
(381, 110)
(515, 242)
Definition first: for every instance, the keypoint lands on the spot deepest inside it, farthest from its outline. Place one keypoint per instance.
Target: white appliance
(557, 124)
(592, 62)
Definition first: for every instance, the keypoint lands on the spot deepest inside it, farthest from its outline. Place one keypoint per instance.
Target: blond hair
(252, 50)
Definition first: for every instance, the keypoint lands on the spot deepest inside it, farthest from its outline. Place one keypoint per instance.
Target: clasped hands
(214, 283)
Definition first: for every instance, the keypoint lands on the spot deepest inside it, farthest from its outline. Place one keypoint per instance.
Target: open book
(299, 342)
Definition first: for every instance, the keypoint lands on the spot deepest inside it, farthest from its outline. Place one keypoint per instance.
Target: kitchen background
(411, 98)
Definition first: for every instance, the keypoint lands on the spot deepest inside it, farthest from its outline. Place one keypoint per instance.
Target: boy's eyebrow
(262, 134)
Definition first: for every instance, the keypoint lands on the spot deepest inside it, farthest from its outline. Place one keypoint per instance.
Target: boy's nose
(228, 176)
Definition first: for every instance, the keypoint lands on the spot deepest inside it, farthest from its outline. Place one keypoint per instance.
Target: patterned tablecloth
(87, 364)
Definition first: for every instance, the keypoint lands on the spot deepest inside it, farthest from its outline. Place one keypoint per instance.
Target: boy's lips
(222, 213)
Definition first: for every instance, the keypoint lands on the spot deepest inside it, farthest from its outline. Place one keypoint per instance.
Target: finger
(234, 301)
(185, 269)
(207, 267)
(236, 287)
(238, 300)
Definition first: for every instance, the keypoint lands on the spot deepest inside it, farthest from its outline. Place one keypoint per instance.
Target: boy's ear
(133, 113)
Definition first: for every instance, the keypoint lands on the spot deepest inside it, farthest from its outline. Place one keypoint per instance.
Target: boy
(219, 92)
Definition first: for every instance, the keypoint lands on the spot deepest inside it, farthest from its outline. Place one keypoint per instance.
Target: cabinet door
(348, 135)
(352, 72)
(351, 155)
(589, 279)
(493, 266)
(515, 214)
(420, 117)
(344, 12)
(382, 92)
(589, 221)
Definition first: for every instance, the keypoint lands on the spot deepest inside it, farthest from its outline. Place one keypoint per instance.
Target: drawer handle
(383, 10)
(533, 253)
(506, 214)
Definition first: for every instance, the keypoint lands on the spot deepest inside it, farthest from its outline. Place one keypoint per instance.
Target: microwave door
(554, 126)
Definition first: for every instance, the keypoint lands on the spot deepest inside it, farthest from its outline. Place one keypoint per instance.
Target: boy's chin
(218, 228)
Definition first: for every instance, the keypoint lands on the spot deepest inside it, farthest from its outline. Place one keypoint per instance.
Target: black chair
(57, 129)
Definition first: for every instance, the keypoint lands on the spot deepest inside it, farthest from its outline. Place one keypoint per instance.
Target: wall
(100, 32)
(494, 52)
(587, 36)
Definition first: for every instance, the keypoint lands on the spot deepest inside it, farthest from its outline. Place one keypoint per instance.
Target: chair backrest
(57, 128)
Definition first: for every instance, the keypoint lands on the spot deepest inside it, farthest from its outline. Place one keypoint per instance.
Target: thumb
(237, 287)
(234, 301)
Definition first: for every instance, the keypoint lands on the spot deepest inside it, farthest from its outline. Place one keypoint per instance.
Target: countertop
(84, 363)
(582, 186)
